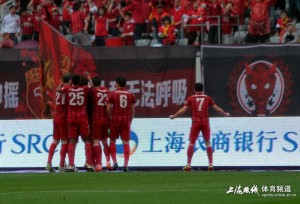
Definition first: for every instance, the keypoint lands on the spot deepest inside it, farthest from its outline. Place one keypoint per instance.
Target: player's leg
(194, 132)
(73, 138)
(84, 131)
(64, 146)
(114, 134)
(104, 138)
(125, 136)
(97, 151)
(55, 142)
(209, 151)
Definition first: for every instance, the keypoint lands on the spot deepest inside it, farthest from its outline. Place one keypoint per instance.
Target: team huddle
(86, 109)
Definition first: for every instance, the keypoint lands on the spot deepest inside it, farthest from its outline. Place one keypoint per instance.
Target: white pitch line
(103, 191)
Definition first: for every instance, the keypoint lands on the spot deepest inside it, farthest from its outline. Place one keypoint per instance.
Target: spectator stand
(237, 37)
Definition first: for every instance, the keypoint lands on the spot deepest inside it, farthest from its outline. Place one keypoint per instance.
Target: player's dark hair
(76, 79)
(121, 81)
(96, 81)
(67, 78)
(198, 87)
(77, 6)
(83, 81)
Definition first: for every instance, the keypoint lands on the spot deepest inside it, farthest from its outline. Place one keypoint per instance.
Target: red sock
(97, 152)
(209, 155)
(88, 153)
(106, 152)
(190, 153)
(71, 153)
(126, 154)
(113, 151)
(63, 153)
(51, 152)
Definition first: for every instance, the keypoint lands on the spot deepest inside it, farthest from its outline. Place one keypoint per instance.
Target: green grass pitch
(147, 187)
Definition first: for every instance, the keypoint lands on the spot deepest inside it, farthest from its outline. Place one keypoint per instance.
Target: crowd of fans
(163, 20)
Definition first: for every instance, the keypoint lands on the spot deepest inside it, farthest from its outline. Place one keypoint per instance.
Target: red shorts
(120, 128)
(197, 126)
(100, 129)
(60, 129)
(78, 128)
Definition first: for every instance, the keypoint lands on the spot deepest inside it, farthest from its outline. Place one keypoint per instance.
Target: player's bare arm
(221, 111)
(132, 111)
(179, 112)
(88, 76)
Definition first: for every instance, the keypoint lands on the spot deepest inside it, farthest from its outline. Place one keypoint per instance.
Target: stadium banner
(161, 78)
(20, 88)
(257, 80)
(237, 142)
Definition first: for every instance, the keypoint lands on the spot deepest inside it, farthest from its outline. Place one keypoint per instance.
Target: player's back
(99, 100)
(60, 111)
(199, 104)
(122, 101)
(77, 100)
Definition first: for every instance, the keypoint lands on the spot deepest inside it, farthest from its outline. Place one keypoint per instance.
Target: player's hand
(172, 117)
(227, 114)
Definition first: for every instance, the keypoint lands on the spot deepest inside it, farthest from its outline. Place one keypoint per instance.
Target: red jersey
(36, 17)
(214, 9)
(60, 111)
(101, 25)
(199, 104)
(77, 22)
(99, 101)
(55, 21)
(121, 100)
(136, 9)
(77, 101)
(169, 34)
(27, 24)
(176, 14)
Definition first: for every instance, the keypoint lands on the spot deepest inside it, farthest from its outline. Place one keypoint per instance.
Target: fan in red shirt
(214, 9)
(155, 18)
(60, 127)
(26, 25)
(79, 25)
(100, 123)
(38, 14)
(176, 14)
(199, 104)
(167, 32)
(78, 120)
(228, 19)
(135, 7)
(121, 110)
(101, 27)
(282, 23)
(127, 30)
(55, 19)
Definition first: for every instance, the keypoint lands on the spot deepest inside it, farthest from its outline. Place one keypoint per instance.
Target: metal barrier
(219, 24)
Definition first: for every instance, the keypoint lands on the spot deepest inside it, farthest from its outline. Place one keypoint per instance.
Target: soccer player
(199, 104)
(100, 123)
(78, 120)
(120, 109)
(60, 129)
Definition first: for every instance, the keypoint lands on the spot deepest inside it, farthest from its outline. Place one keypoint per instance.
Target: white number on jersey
(76, 99)
(60, 98)
(102, 97)
(200, 104)
(123, 101)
